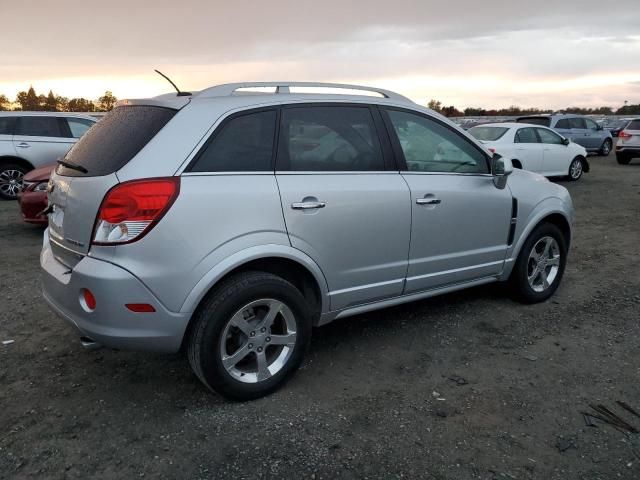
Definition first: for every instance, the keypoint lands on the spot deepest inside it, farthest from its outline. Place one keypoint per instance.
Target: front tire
(575, 169)
(249, 335)
(540, 264)
(605, 149)
(11, 175)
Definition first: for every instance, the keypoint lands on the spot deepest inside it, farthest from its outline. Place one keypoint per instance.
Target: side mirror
(566, 141)
(500, 169)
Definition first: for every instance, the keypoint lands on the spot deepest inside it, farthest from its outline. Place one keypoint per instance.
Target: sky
(467, 53)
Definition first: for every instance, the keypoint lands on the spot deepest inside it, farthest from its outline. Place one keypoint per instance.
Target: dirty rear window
(115, 139)
(544, 121)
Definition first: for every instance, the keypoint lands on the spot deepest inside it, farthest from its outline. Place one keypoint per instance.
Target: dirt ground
(464, 386)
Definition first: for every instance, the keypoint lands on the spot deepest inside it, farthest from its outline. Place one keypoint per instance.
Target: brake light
(624, 134)
(131, 209)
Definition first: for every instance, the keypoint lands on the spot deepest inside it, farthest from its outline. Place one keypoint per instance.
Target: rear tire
(540, 265)
(622, 159)
(605, 149)
(11, 175)
(249, 335)
(575, 169)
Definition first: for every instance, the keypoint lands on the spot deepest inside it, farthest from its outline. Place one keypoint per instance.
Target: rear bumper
(32, 203)
(628, 149)
(111, 324)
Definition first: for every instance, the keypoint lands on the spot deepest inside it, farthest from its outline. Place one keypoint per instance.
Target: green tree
(4, 102)
(62, 103)
(28, 100)
(81, 105)
(435, 105)
(50, 103)
(629, 110)
(107, 102)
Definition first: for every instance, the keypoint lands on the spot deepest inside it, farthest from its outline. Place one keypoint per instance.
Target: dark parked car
(33, 197)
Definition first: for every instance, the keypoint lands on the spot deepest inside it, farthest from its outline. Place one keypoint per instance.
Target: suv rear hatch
(75, 194)
(535, 120)
(630, 135)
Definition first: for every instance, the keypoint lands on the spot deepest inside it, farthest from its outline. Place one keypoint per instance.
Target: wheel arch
(17, 160)
(286, 262)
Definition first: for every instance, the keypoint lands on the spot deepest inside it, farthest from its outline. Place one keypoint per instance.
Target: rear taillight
(624, 134)
(129, 210)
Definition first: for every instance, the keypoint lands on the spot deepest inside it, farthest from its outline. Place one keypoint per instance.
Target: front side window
(591, 124)
(526, 135)
(547, 136)
(37, 126)
(242, 144)
(329, 138)
(429, 146)
(78, 126)
(577, 122)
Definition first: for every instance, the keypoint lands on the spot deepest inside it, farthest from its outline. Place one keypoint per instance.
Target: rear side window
(6, 125)
(79, 126)
(116, 139)
(633, 125)
(544, 121)
(37, 126)
(577, 122)
(329, 139)
(243, 144)
(488, 134)
(563, 123)
(526, 135)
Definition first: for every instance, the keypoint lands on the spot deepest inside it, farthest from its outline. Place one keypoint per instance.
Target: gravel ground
(468, 385)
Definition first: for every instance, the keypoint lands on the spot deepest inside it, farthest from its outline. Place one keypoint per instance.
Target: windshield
(488, 134)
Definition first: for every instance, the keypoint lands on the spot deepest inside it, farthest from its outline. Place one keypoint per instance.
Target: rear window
(633, 125)
(6, 125)
(117, 138)
(544, 121)
(488, 134)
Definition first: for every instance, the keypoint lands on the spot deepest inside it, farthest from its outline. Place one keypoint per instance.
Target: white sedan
(535, 148)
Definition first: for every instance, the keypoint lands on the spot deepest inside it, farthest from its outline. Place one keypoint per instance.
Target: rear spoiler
(168, 100)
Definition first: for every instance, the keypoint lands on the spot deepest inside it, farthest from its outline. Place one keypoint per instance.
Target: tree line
(30, 101)
(514, 111)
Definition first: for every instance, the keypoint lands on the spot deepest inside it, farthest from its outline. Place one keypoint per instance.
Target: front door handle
(307, 205)
(23, 145)
(428, 201)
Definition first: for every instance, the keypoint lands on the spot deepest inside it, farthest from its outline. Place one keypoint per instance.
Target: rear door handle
(428, 201)
(307, 205)
(23, 145)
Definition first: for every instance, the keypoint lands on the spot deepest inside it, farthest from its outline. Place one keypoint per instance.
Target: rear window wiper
(73, 166)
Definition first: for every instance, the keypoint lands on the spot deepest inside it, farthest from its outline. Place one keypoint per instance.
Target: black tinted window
(37, 126)
(563, 123)
(633, 125)
(577, 122)
(6, 125)
(526, 135)
(329, 139)
(243, 144)
(116, 139)
(544, 121)
(429, 146)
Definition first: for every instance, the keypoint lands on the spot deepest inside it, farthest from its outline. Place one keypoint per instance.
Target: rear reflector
(89, 299)
(131, 209)
(140, 307)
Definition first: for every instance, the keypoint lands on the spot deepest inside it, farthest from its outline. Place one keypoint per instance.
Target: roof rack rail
(284, 87)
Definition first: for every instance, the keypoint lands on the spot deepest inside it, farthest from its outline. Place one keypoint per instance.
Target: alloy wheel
(11, 182)
(606, 147)
(543, 264)
(258, 340)
(576, 169)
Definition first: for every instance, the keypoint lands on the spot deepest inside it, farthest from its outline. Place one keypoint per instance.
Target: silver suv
(231, 221)
(577, 128)
(30, 140)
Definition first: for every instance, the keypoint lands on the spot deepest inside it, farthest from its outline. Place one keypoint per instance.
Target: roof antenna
(180, 94)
